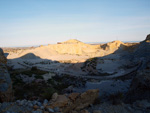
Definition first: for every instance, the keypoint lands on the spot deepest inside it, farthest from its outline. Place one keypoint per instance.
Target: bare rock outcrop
(113, 46)
(5, 81)
(74, 47)
(2, 57)
(147, 38)
(75, 101)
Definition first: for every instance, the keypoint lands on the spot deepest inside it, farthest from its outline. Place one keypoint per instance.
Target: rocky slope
(2, 57)
(72, 103)
(140, 86)
(5, 81)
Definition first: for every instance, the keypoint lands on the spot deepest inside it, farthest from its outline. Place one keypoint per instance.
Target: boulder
(5, 81)
(73, 96)
(86, 98)
(54, 97)
(75, 101)
(61, 101)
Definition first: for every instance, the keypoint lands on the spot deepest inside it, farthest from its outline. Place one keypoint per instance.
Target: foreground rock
(140, 87)
(5, 81)
(2, 57)
(137, 107)
(74, 101)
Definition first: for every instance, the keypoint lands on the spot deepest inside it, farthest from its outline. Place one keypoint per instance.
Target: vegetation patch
(40, 89)
(29, 72)
(89, 65)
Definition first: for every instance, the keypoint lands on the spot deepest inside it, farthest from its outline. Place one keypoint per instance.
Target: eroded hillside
(62, 72)
(71, 47)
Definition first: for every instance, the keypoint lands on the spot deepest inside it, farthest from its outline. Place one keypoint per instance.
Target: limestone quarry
(75, 77)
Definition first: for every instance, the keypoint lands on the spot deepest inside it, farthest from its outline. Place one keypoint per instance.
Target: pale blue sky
(36, 22)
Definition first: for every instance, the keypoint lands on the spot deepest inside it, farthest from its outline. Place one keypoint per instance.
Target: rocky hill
(113, 46)
(70, 47)
(72, 41)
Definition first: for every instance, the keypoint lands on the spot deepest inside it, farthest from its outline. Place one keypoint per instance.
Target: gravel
(25, 106)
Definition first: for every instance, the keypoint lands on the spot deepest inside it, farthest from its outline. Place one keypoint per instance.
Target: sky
(40, 22)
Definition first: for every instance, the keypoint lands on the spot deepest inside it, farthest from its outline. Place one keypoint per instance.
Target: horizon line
(37, 45)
